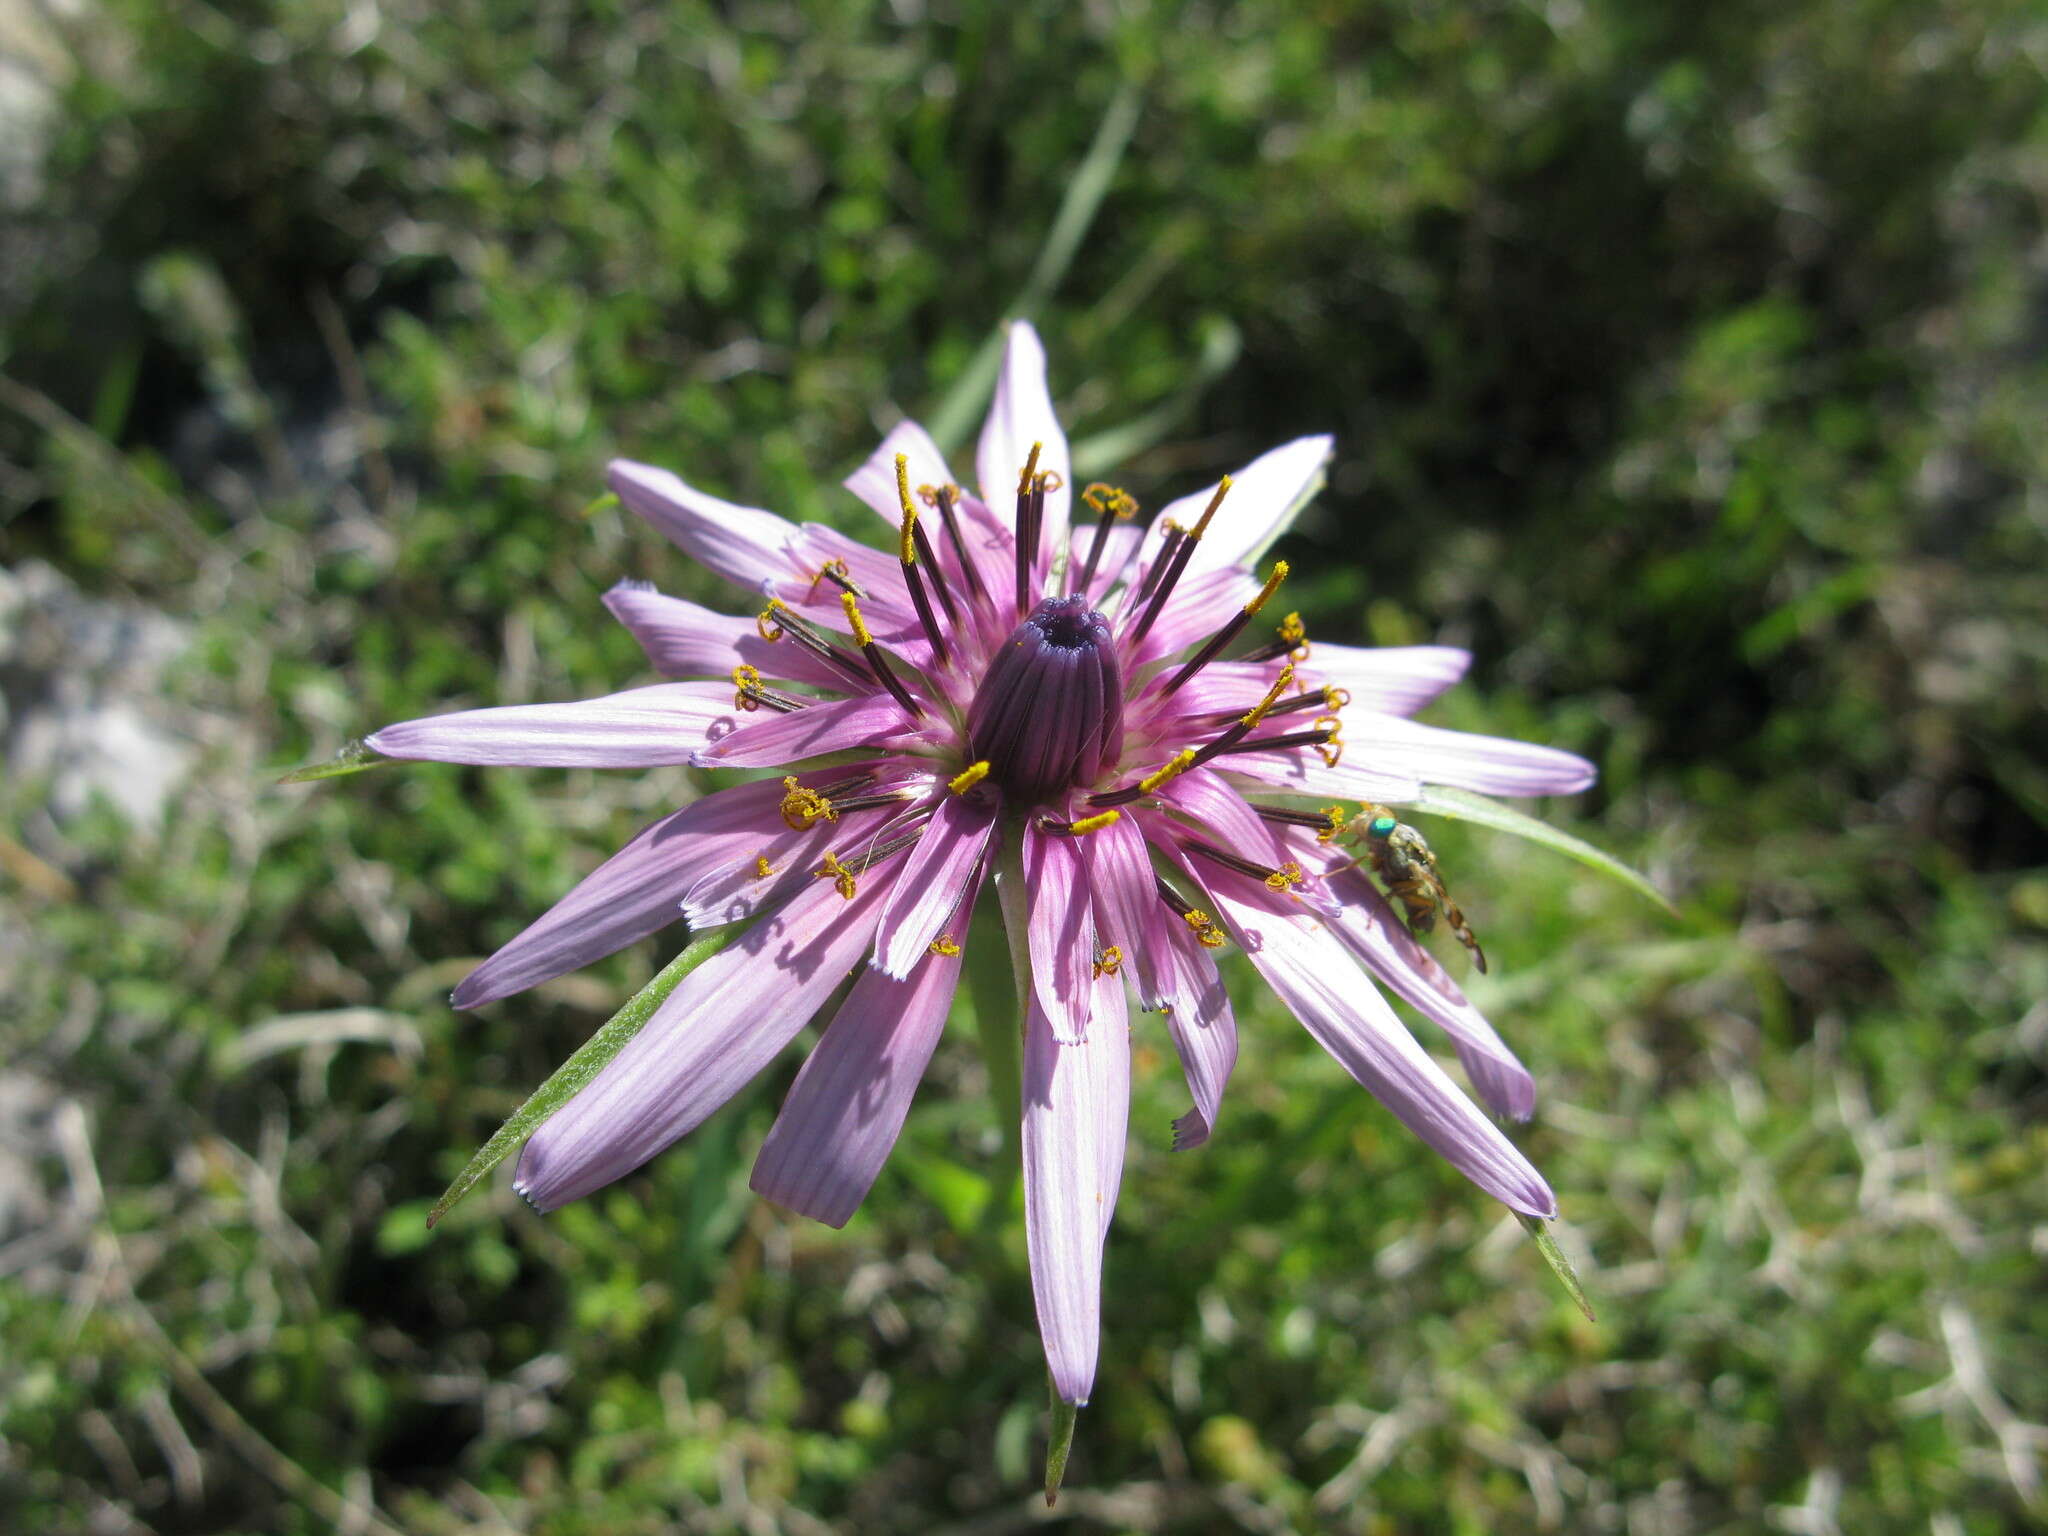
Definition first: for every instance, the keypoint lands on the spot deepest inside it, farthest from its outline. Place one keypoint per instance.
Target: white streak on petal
(1021, 414)
(639, 728)
(745, 545)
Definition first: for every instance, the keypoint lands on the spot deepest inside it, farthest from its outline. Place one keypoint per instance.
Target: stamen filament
(942, 497)
(1170, 535)
(1027, 537)
(1082, 827)
(1292, 642)
(884, 673)
(1278, 879)
(1174, 766)
(1181, 557)
(779, 619)
(1243, 728)
(1206, 931)
(1326, 698)
(1230, 630)
(749, 693)
(907, 555)
(1111, 506)
(1319, 737)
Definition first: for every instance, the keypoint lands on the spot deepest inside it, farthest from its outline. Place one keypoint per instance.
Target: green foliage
(1684, 365)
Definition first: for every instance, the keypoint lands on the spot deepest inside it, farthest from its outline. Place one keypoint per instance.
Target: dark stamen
(1169, 546)
(1278, 743)
(931, 564)
(1230, 630)
(1111, 506)
(1317, 819)
(1278, 879)
(778, 618)
(1026, 541)
(911, 544)
(1181, 557)
(877, 662)
(1320, 698)
(1243, 728)
(941, 496)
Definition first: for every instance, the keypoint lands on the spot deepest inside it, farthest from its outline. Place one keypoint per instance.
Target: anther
(804, 808)
(778, 619)
(1338, 815)
(906, 551)
(1112, 504)
(840, 876)
(1280, 879)
(1285, 877)
(877, 662)
(1110, 961)
(744, 679)
(834, 571)
(1181, 557)
(1292, 642)
(1231, 629)
(967, 778)
(1206, 931)
(1331, 748)
(1173, 767)
(1082, 827)
(944, 945)
(1236, 733)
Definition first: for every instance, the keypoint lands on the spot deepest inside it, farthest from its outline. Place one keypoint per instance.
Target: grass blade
(1464, 805)
(353, 758)
(1559, 1264)
(572, 1075)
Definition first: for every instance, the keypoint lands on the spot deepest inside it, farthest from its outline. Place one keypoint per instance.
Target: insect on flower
(1004, 696)
(1401, 857)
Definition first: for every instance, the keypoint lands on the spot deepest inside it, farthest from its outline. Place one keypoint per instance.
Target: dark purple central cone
(1050, 712)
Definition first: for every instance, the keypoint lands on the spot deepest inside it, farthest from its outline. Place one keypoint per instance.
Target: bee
(1400, 856)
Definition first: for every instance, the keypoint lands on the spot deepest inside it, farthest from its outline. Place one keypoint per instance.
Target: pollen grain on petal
(944, 945)
(1111, 960)
(762, 868)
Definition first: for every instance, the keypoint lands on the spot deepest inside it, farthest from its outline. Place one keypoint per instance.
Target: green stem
(996, 981)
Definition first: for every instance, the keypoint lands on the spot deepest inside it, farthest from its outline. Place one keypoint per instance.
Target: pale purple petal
(1198, 1017)
(885, 604)
(743, 544)
(1395, 679)
(1119, 875)
(848, 1104)
(937, 874)
(1195, 610)
(1021, 414)
(1076, 1108)
(1117, 552)
(1263, 498)
(1307, 966)
(1059, 933)
(1490, 765)
(640, 728)
(875, 481)
(1228, 818)
(1367, 924)
(1300, 771)
(769, 740)
(630, 895)
(685, 639)
(727, 1020)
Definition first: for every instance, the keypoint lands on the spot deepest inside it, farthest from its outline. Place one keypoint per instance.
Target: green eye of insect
(1382, 825)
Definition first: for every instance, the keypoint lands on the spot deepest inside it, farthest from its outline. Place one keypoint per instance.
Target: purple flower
(1028, 687)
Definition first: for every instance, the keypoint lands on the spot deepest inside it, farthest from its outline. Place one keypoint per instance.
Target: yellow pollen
(1288, 874)
(967, 778)
(1205, 928)
(1335, 697)
(803, 808)
(1095, 823)
(929, 494)
(1030, 469)
(1047, 480)
(764, 621)
(861, 637)
(833, 567)
(1110, 500)
(762, 868)
(1292, 630)
(1209, 512)
(906, 551)
(1266, 592)
(745, 680)
(1109, 961)
(1333, 749)
(944, 945)
(1338, 816)
(1176, 765)
(1272, 697)
(840, 876)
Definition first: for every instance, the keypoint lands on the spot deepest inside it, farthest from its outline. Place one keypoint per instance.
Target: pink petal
(640, 728)
(875, 481)
(1367, 924)
(684, 639)
(849, 1102)
(1076, 1110)
(630, 895)
(1021, 414)
(769, 740)
(745, 545)
(1119, 876)
(727, 1020)
(1196, 608)
(1306, 965)
(1263, 498)
(1117, 552)
(938, 874)
(1395, 679)
(1059, 933)
(1491, 765)
(885, 604)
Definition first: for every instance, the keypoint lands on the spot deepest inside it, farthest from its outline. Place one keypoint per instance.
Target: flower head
(1008, 694)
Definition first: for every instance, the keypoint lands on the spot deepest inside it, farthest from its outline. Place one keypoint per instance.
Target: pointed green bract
(591, 1058)
(1559, 1264)
(1464, 805)
(353, 758)
(1061, 1441)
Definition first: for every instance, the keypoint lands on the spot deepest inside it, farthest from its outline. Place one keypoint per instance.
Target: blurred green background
(1686, 363)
